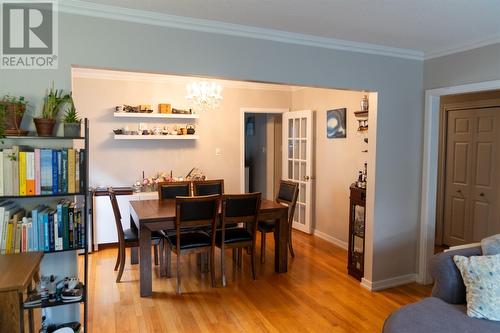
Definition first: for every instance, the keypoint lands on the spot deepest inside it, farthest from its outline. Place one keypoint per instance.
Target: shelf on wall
(361, 114)
(155, 115)
(156, 137)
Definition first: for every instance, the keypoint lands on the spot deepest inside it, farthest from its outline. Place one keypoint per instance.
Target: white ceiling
(429, 26)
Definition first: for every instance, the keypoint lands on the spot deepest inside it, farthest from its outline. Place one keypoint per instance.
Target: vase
(72, 130)
(44, 127)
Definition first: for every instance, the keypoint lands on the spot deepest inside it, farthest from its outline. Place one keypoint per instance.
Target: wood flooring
(316, 295)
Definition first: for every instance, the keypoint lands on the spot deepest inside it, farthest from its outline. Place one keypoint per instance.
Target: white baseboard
(388, 283)
(330, 239)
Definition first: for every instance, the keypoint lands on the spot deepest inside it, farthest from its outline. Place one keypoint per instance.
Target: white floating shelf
(156, 137)
(155, 115)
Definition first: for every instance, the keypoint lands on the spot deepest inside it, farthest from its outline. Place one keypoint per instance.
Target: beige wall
(337, 160)
(114, 162)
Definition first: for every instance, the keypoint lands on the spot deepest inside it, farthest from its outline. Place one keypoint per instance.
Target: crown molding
(79, 7)
(106, 74)
(490, 40)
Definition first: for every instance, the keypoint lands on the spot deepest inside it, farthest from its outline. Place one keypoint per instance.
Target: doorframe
(244, 110)
(430, 169)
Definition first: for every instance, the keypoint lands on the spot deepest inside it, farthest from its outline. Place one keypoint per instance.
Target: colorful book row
(42, 229)
(28, 172)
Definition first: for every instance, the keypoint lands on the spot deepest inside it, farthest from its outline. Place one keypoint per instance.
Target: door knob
(459, 191)
(306, 178)
(481, 194)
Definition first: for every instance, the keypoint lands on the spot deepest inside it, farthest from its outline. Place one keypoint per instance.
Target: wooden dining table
(154, 215)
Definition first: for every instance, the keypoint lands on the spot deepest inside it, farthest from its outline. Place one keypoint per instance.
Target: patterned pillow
(481, 275)
(491, 245)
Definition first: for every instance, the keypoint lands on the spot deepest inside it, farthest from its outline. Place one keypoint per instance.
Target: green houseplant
(71, 120)
(12, 111)
(53, 101)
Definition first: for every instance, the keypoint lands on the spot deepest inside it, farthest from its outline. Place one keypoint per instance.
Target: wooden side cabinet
(357, 215)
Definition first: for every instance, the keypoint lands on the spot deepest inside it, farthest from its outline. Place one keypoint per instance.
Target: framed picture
(336, 123)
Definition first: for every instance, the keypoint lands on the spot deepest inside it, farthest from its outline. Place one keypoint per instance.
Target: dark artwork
(336, 123)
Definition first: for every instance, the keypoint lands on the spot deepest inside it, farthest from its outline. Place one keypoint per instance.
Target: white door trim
(430, 167)
(244, 110)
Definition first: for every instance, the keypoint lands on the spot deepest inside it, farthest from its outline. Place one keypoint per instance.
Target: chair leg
(212, 267)
(156, 254)
(235, 255)
(122, 264)
(252, 260)
(240, 256)
(162, 259)
(262, 247)
(178, 273)
(290, 247)
(222, 266)
(168, 259)
(117, 259)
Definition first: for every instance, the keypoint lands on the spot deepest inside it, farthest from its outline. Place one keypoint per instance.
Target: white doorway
(260, 160)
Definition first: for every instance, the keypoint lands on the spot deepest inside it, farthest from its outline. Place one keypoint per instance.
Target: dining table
(148, 216)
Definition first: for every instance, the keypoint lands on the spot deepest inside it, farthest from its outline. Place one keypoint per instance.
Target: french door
(298, 139)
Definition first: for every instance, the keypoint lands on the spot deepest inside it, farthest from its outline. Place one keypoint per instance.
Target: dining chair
(128, 238)
(170, 190)
(287, 194)
(193, 212)
(238, 208)
(208, 187)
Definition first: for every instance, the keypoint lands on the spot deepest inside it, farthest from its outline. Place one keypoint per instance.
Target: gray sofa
(445, 311)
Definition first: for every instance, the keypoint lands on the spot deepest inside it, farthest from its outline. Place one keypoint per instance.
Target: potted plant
(71, 120)
(13, 109)
(53, 100)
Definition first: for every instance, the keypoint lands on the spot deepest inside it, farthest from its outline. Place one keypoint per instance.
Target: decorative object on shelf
(195, 174)
(119, 108)
(204, 95)
(145, 108)
(364, 103)
(180, 111)
(190, 129)
(361, 182)
(53, 101)
(72, 123)
(357, 217)
(336, 123)
(165, 108)
(362, 125)
(12, 109)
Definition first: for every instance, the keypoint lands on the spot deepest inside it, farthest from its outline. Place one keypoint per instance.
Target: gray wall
(102, 43)
(477, 65)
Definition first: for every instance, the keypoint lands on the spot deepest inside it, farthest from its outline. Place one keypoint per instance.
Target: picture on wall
(336, 123)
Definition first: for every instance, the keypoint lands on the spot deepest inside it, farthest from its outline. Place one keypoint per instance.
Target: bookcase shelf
(34, 137)
(41, 196)
(47, 304)
(67, 250)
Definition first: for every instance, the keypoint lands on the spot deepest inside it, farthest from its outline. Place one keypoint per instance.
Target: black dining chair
(193, 212)
(128, 238)
(208, 187)
(170, 190)
(238, 208)
(287, 194)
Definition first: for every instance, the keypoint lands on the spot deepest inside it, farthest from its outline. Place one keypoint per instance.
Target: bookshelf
(63, 260)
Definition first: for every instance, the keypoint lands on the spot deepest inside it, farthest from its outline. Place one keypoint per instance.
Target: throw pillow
(481, 275)
(491, 245)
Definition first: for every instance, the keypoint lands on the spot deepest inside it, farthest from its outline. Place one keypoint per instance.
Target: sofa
(446, 310)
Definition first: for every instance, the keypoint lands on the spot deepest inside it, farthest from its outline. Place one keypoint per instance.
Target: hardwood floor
(316, 295)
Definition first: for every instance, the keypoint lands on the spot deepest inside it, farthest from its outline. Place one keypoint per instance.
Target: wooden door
(471, 206)
(298, 138)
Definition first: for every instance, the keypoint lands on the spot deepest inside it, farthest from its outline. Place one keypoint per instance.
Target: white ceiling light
(204, 95)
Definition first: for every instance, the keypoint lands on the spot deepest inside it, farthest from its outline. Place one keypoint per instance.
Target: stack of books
(41, 229)
(27, 171)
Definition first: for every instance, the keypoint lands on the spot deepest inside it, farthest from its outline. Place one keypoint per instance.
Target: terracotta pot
(44, 127)
(13, 115)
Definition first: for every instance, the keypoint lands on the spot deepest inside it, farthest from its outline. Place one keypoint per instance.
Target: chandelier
(204, 95)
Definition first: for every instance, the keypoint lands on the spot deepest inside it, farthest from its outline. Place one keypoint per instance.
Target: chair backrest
(170, 190)
(208, 187)
(116, 212)
(241, 208)
(196, 211)
(288, 194)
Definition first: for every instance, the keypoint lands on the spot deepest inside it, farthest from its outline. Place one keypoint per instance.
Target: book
(30, 173)
(82, 167)
(1, 175)
(22, 173)
(59, 172)
(71, 223)
(50, 218)
(41, 230)
(65, 224)
(46, 171)
(14, 157)
(9, 210)
(64, 165)
(46, 229)
(7, 172)
(77, 172)
(55, 173)
(71, 171)
(37, 172)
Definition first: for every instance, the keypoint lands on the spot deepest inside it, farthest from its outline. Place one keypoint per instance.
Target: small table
(17, 272)
(155, 215)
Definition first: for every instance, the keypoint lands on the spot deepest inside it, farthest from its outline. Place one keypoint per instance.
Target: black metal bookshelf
(87, 204)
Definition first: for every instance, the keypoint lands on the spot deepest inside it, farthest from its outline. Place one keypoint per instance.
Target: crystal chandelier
(204, 95)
